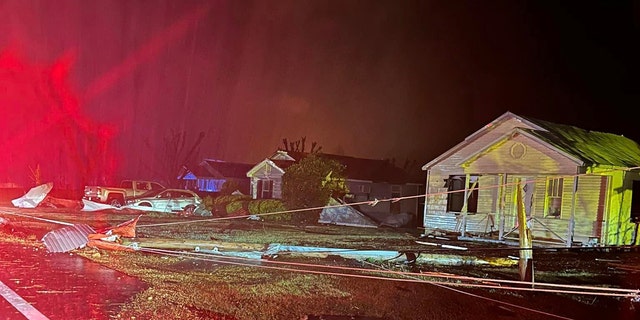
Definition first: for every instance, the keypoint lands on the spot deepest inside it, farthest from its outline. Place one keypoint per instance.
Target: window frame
(554, 191)
(455, 194)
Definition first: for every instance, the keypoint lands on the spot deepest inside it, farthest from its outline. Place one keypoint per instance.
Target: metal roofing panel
(67, 238)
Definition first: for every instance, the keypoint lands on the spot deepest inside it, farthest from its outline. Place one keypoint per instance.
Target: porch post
(572, 222)
(501, 195)
(425, 207)
(465, 205)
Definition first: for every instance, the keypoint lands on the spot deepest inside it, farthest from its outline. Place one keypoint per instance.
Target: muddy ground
(183, 286)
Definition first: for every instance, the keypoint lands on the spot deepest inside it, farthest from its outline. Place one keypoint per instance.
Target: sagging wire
(488, 299)
(484, 283)
(538, 286)
(610, 291)
(38, 218)
(375, 201)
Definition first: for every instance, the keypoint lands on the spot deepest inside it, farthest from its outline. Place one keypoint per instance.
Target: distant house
(210, 176)
(367, 179)
(579, 186)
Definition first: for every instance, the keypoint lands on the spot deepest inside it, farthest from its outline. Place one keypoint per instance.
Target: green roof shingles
(592, 147)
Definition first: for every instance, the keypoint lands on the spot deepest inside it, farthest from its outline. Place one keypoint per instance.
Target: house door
(265, 189)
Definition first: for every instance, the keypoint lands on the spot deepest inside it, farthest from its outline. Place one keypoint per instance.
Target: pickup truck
(117, 196)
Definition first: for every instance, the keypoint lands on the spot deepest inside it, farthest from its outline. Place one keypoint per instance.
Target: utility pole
(525, 264)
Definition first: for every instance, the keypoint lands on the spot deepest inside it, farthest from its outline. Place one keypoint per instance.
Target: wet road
(60, 285)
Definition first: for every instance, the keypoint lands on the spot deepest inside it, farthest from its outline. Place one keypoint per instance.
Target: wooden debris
(626, 267)
(446, 246)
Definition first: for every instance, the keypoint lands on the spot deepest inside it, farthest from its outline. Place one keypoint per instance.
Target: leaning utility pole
(525, 264)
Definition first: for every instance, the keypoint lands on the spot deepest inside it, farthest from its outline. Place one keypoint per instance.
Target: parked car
(167, 200)
(117, 196)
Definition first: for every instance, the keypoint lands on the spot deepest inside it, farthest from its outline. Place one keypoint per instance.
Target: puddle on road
(63, 285)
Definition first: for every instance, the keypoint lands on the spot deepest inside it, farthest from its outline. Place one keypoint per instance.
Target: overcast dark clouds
(373, 79)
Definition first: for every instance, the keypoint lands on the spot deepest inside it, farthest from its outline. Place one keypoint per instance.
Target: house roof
(229, 169)
(488, 127)
(362, 169)
(220, 169)
(264, 163)
(591, 147)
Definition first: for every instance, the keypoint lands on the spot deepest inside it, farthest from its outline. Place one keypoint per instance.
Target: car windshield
(150, 194)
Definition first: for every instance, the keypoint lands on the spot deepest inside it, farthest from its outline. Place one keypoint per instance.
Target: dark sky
(372, 79)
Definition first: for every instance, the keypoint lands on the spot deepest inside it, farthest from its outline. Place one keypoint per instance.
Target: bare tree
(300, 145)
(176, 156)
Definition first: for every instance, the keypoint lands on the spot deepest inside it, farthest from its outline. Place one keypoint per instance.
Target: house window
(554, 197)
(360, 192)
(456, 190)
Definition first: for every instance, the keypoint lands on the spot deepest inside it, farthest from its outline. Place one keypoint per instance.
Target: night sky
(371, 79)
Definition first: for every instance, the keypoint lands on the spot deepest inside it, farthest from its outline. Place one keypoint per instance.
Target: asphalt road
(36, 284)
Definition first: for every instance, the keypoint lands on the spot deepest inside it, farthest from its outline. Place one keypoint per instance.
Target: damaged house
(366, 179)
(579, 187)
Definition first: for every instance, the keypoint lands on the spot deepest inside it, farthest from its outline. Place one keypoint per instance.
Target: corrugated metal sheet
(344, 216)
(67, 238)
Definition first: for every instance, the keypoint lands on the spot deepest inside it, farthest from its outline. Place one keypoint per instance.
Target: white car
(167, 200)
